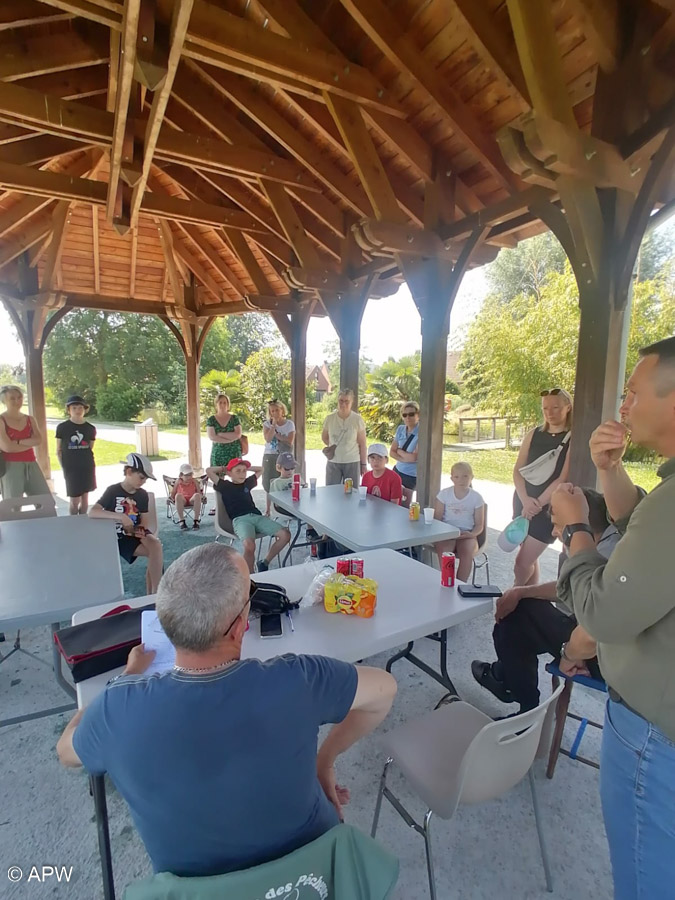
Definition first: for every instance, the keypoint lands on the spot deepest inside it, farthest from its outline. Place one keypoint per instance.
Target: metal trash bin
(147, 438)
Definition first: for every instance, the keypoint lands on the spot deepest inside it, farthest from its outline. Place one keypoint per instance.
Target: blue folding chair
(562, 713)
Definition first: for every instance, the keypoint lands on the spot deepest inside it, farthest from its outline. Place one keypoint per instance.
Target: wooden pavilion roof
(149, 146)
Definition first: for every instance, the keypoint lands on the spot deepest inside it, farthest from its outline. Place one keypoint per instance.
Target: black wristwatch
(569, 530)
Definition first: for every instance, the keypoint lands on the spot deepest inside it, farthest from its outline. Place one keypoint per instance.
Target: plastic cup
(363, 493)
(312, 485)
(428, 515)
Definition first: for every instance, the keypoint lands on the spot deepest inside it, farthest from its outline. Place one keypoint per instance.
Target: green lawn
(497, 465)
(107, 453)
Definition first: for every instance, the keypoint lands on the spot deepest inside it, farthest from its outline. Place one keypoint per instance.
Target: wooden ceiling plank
(55, 249)
(213, 29)
(198, 270)
(166, 240)
(96, 249)
(40, 56)
(293, 227)
(368, 164)
(130, 20)
(133, 262)
(24, 239)
(493, 46)
(246, 257)
(24, 13)
(600, 20)
(20, 213)
(85, 9)
(386, 32)
(71, 85)
(209, 251)
(179, 25)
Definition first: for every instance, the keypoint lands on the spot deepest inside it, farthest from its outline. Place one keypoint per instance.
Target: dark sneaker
(482, 672)
(183, 526)
(263, 565)
(195, 526)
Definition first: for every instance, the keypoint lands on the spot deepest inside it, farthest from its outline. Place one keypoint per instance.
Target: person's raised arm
(215, 473)
(375, 693)
(268, 430)
(607, 446)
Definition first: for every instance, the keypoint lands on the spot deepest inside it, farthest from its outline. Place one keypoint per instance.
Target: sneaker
(183, 526)
(263, 565)
(484, 675)
(195, 526)
(212, 512)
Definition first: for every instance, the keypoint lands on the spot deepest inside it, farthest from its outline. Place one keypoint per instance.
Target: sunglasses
(273, 400)
(552, 393)
(408, 415)
(248, 600)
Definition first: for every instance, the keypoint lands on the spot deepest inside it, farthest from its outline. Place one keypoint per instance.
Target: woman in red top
(19, 433)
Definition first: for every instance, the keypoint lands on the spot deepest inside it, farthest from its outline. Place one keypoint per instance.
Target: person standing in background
(19, 435)
(344, 436)
(404, 449)
(74, 448)
(279, 434)
(224, 430)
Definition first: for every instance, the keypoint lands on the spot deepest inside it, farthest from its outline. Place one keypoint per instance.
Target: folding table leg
(293, 542)
(97, 783)
(441, 677)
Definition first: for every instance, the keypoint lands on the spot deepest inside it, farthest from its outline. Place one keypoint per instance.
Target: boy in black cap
(74, 448)
(127, 504)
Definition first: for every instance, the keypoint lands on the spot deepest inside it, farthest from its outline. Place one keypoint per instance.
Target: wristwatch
(569, 530)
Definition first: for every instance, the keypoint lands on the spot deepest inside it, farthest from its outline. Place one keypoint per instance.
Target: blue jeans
(637, 789)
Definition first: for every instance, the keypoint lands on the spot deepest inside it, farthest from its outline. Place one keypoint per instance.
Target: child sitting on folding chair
(187, 492)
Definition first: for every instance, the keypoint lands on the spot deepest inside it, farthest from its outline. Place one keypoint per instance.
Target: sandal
(482, 672)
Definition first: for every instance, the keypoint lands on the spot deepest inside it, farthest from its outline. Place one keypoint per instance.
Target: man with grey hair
(217, 758)
(628, 605)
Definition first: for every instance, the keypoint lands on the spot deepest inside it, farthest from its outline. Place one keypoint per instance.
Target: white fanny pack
(542, 468)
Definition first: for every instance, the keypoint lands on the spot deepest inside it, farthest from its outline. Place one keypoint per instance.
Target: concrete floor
(46, 815)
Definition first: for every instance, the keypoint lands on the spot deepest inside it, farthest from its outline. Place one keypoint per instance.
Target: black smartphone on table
(270, 625)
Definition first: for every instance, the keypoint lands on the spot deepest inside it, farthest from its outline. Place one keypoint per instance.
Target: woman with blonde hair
(224, 430)
(404, 449)
(548, 446)
(279, 434)
(19, 435)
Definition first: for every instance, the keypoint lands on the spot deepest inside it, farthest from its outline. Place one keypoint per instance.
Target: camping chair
(480, 560)
(16, 509)
(561, 714)
(457, 754)
(171, 512)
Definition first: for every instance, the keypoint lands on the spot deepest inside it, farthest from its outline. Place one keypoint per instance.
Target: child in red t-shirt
(381, 481)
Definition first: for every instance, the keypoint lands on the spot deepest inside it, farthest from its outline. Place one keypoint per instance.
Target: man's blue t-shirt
(219, 770)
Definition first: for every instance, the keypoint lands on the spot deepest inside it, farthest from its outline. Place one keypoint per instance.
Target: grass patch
(497, 465)
(107, 453)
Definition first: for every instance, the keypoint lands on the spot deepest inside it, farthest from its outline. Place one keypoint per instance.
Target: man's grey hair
(665, 369)
(200, 595)
(346, 392)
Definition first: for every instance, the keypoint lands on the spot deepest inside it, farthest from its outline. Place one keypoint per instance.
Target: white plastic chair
(457, 754)
(15, 509)
(222, 522)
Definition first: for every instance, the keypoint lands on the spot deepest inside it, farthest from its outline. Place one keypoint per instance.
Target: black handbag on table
(269, 598)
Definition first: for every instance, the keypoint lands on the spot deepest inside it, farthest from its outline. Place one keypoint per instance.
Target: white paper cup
(312, 485)
(428, 515)
(363, 493)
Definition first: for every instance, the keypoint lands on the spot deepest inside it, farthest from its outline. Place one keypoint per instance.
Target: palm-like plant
(214, 383)
(387, 387)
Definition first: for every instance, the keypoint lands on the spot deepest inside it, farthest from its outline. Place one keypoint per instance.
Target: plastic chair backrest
(223, 523)
(482, 537)
(501, 754)
(15, 509)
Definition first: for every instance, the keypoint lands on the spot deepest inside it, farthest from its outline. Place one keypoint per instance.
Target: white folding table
(50, 568)
(360, 524)
(411, 603)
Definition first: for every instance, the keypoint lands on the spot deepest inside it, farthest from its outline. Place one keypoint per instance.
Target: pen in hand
(290, 619)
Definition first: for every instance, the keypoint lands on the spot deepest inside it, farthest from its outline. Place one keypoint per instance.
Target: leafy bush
(119, 401)
(214, 383)
(640, 454)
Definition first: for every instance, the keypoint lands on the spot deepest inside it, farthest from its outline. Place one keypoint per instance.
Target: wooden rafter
(293, 228)
(184, 253)
(600, 20)
(103, 13)
(246, 257)
(166, 240)
(382, 28)
(24, 13)
(53, 256)
(44, 55)
(179, 24)
(216, 259)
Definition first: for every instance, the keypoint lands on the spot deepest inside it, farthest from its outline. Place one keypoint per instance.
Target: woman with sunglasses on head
(532, 500)
(279, 434)
(404, 449)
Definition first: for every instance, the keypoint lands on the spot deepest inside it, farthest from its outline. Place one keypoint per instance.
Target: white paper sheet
(153, 637)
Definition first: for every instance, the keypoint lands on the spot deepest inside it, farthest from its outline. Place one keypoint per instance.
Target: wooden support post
(346, 312)
(193, 418)
(299, 322)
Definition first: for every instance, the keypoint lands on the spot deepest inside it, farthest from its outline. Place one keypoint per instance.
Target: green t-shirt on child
(281, 484)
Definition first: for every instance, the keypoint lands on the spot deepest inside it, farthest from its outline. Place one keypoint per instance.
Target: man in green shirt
(628, 605)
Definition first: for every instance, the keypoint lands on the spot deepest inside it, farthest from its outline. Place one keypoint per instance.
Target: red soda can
(448, 570)
(356, 567)
(297, 478)
(295, 490)
(343, 566)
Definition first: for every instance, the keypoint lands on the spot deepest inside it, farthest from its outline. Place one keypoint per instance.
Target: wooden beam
(53, 257)
(246, 257)
(179, 24)
(24, 239)
(130, 20)
(96, 249)
(204, 246)
(134, 259)
(290, 222)
(113, 70)
(389, 36)
(24, 13)
(103, 13)
(362, 150)
(197, 269)
(42, 55)
(232, 42)
(166, 240)
(497, 213)
(150, 64)
(600, 21)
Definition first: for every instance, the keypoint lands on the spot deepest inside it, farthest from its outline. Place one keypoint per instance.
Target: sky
(390, 327)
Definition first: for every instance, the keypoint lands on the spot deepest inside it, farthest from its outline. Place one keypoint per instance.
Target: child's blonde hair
(463, 466)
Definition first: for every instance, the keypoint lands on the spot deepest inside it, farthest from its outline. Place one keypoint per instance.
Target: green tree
(387, 387)
(216, 382)
(265, 375)
(232, 339)
(525, 268)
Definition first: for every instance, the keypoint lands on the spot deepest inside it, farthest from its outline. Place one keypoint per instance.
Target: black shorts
(127, 544)
(408, 481)
(541, 527)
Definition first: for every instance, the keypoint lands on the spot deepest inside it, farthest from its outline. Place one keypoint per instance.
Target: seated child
(187, 492)
(286, 466)
(464, 508)
(127, 504)
(381, 481)
(248, 523)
